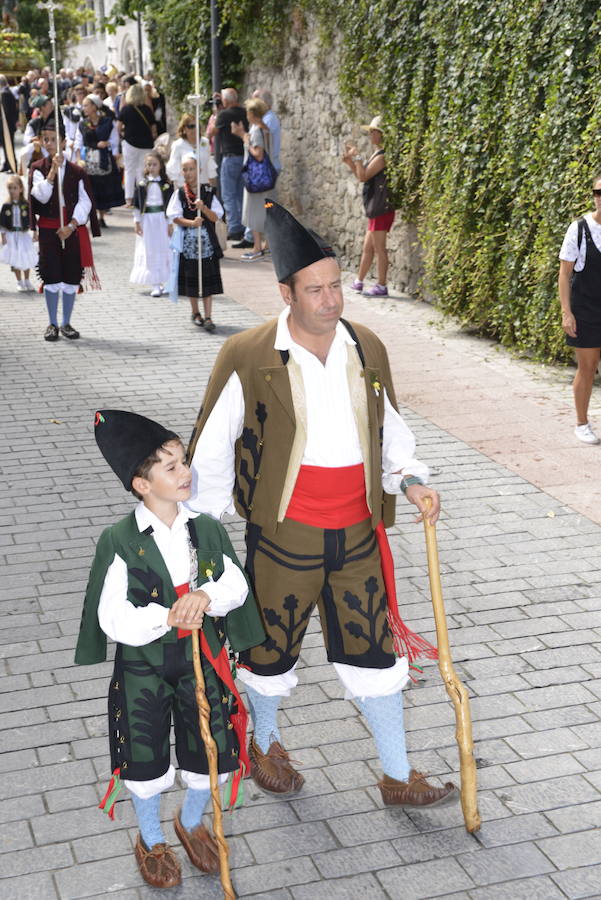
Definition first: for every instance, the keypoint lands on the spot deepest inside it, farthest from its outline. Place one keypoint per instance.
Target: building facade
(99, 47)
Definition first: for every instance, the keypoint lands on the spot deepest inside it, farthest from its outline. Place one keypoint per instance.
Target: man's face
(316, 302)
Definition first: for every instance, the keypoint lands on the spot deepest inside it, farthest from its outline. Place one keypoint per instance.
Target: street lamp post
(215, 48)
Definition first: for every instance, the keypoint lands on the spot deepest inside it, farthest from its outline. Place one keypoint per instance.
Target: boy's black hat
(293, 247)
(126, 439)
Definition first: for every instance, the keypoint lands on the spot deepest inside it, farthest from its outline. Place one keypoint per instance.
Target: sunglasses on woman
(597, 192)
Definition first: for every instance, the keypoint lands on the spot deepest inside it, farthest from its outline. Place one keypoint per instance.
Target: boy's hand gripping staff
(455, 689)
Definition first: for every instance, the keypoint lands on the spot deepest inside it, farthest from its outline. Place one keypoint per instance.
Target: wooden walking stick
(455, 689)
(204, 718)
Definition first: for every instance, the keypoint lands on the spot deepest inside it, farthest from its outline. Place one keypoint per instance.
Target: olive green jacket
(149, 582)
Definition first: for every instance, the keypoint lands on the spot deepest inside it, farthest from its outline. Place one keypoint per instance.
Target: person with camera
(378, 209)
(231, 152)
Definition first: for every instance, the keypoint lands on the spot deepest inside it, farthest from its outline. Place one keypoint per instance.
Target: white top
(42, 190)
(138, 625)
(180, 148)
(569, 249)
(154, 197)
(175, 209)
(273, 123)
(332, 438)
(114, 140)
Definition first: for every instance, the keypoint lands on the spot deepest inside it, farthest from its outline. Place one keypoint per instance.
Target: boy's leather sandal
(200, 845)
(272, 770)
(416, 791)
(158, 866)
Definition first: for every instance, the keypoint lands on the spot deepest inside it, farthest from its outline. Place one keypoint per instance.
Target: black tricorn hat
(293, 247)
(126, 439)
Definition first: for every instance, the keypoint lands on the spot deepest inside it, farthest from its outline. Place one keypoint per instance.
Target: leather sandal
(416, 791)
(200, 845)
(272, 771)
(158, 866)
(197, 319)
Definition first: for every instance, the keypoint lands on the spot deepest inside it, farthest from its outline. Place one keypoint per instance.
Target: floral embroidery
(207, 568)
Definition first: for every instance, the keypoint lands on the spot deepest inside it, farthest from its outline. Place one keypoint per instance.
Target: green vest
(263, 451)
(149, 582)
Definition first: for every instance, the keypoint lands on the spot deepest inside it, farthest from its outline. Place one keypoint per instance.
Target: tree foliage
(33, 19)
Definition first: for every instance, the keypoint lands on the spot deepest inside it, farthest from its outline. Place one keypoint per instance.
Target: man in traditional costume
(65, 251)
(300, 423)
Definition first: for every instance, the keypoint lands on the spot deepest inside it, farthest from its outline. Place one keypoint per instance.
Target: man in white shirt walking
(300, 424)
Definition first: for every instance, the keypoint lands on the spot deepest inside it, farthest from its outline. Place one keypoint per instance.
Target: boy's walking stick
(455, 689)
(204, 718)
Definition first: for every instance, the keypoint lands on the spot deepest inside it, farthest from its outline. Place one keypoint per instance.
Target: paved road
(522, 583)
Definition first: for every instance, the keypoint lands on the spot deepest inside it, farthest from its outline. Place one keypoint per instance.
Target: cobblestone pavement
(522, 583)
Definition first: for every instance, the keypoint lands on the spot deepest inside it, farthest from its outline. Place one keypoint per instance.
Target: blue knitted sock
(264, 713)
(51, 298)
(68, 304)
(385, 719)
(147, 811)
(195, 803)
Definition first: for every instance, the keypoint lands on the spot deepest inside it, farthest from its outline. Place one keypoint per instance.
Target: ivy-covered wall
(493, 113)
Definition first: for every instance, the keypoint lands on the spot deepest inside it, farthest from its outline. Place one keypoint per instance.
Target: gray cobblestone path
(522, 583)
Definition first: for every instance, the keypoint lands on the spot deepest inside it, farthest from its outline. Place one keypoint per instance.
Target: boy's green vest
(149, 582)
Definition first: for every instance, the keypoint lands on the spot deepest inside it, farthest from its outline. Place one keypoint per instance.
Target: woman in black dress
(97, 144)
(580, 299)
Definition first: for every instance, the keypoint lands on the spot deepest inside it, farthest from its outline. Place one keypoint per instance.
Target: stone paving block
(356, 860)
(589, 733)
(336, 730)
(571, 850)
(23, 887)
(542, 769)
(43, 735)
(88, 879)
(435, 878)
(543, 743)
(271, 876)
(547, 795)
(341, 889)
(539, 888)
(444, 817)
(20, 759)
(278, 894)
(363, 828)
(33, 781)
(563, 656)
(435, 845)
(254, 817)
(346, 776)
(42, 859)
(572, 715)
(539, 678)
(488, 866)
(334, 709)
(17, 836)
(582, 882)
(341, 803)
(283, 843)
(82, 797)
(515, 830)
(79, 823)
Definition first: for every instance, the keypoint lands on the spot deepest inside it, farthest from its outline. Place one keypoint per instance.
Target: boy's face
(169, 479)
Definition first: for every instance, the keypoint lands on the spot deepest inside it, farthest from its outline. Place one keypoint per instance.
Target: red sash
(221, 664)
(335, 498)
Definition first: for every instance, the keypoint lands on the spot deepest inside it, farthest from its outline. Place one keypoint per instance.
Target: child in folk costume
(18, 248)
(152, 256)
(156, 574)
(195, 210)
(65, 251)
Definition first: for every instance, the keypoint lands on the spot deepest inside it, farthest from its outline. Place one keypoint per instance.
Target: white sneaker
(29, 285)
(155, 292)
(21, 287)
(586, 434)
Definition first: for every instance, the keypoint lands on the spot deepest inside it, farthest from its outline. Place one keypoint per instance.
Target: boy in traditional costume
(65, 252)
(157, 574)
(300, 423)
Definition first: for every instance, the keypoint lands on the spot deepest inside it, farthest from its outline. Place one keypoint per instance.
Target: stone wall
(314, 183)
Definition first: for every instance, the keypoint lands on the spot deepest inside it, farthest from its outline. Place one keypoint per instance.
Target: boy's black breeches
(151, 685)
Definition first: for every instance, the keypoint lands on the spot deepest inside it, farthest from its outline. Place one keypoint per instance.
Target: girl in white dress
(18, 248)
(152, 255)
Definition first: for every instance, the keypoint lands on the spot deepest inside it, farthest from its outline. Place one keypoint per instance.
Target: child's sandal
(197, 319)
(209, 325)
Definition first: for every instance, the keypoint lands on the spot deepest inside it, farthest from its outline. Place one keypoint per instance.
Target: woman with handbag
(378, 209)
(138, 133)
(96, 145)
(258, 173)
